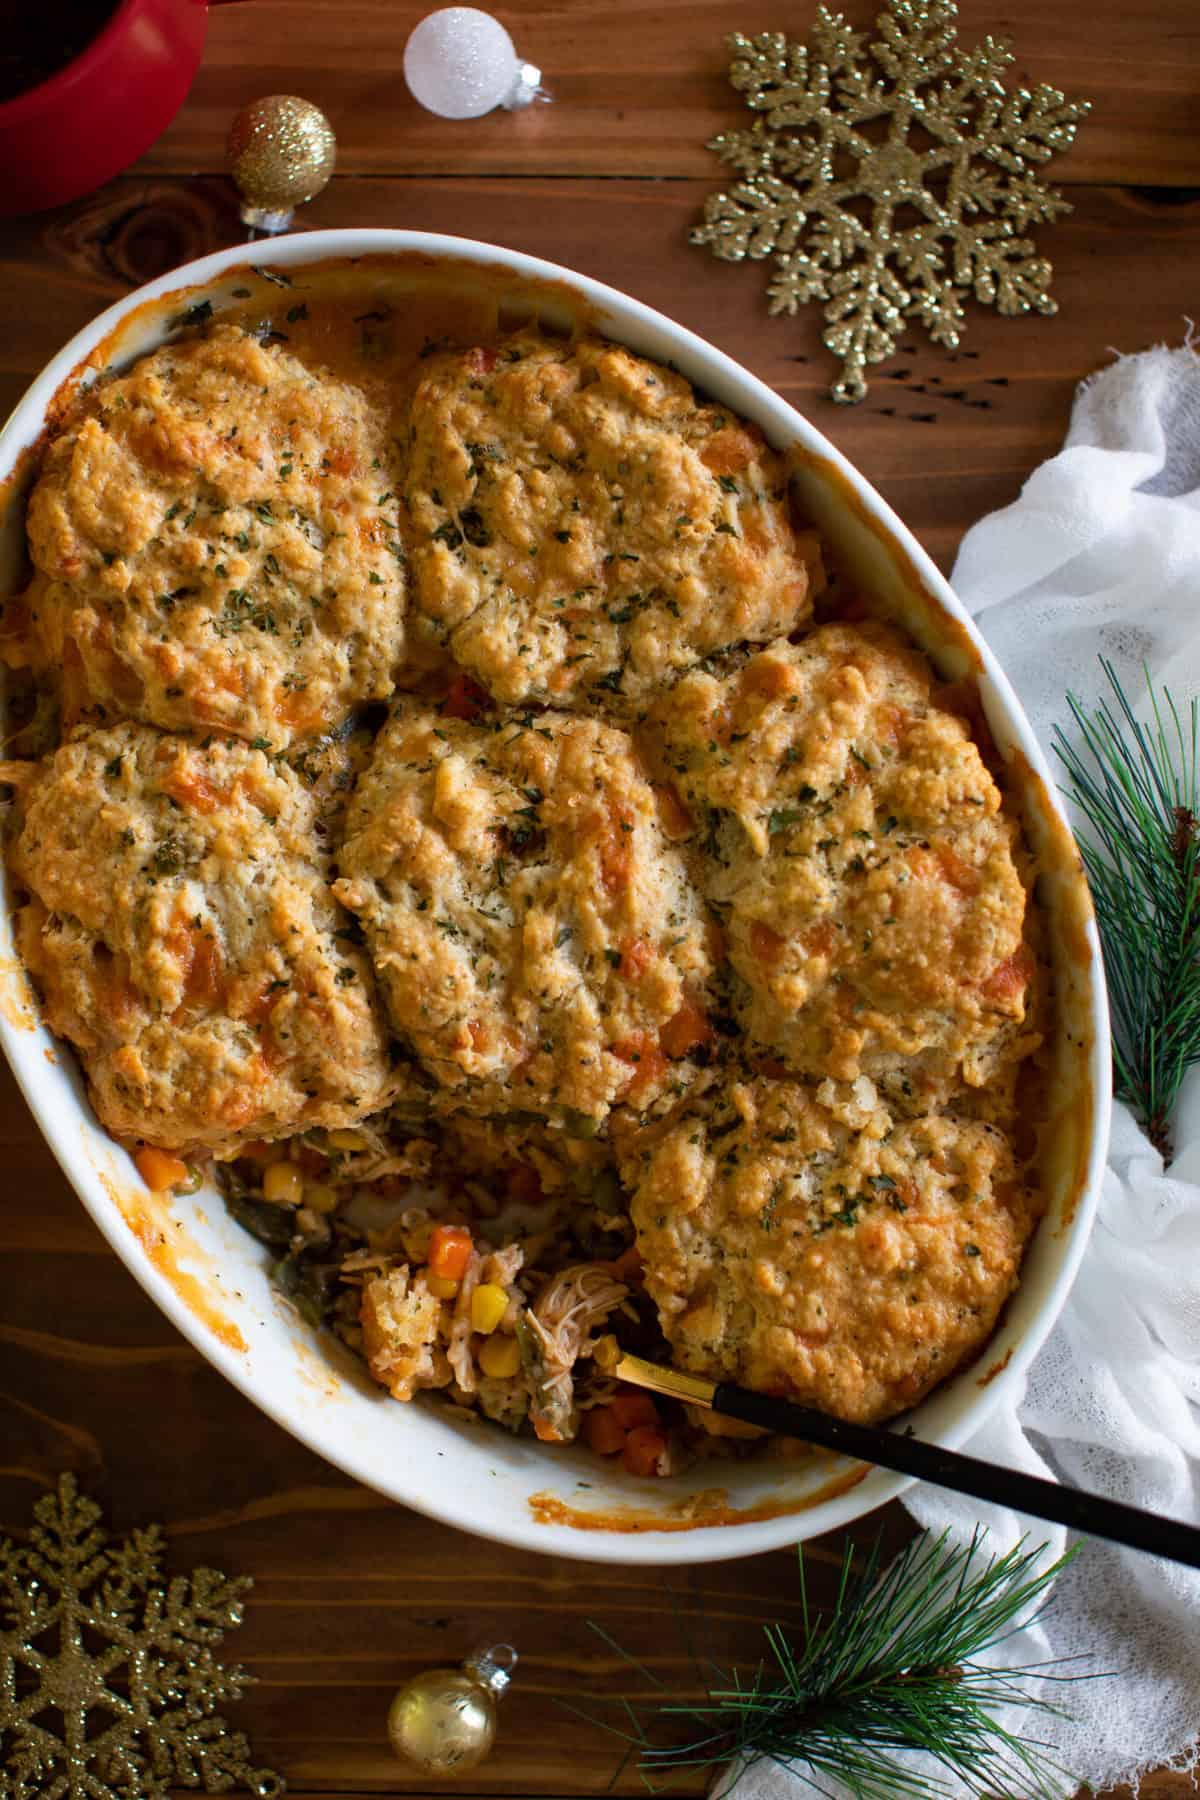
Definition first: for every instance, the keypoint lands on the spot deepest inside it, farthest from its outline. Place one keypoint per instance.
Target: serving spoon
(1092, 1515)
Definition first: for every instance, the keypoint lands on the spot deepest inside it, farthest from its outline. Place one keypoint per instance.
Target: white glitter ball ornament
(461, 63)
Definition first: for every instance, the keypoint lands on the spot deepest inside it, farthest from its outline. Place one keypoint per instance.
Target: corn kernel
(320, 1196)
(283, 1184)
(489, 1303)
(606, 1353)
(441, 1286)
(345, 1140)
(500, 1357)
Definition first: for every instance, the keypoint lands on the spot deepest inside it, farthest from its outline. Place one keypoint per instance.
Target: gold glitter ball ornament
(888, 181)
(281, 153)
(444, 1721)
(108, 1683)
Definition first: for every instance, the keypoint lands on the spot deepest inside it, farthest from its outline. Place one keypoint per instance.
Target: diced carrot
(674, 816)
(465, 699)
(160, 1170)
(766, 945)
(202, 982)
(636, 956)
(296, 709)
(645, 1452)
(922, 862)
(615, 860)
(942, 864)
(956, 872)
(728, 451)
(768, 678)
(602, 1432)
(450, 1251)
(628, 1267)
(649, 1062)
(686, 1031)
(1011, 977)
(632, 1408)
(821, 939)
(192, 788)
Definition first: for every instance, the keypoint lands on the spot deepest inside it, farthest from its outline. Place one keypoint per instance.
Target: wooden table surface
(353, 1594)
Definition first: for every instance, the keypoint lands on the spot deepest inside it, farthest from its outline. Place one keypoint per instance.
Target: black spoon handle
(1092, 1515)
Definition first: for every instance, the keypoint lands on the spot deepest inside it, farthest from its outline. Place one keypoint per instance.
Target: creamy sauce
(164, 1242)
(708, 1508)
(17, 1005)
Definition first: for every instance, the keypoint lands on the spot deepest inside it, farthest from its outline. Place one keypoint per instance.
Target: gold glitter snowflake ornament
(888, 181)
(108, 1684)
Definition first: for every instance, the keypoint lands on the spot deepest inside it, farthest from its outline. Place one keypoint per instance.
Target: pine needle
(890, 1668)
(1136, 788)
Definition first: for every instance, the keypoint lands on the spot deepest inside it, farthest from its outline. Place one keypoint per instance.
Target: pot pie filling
(450, 798)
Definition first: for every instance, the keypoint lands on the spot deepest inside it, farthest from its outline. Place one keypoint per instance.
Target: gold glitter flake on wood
(109, 1687)
(889, 181)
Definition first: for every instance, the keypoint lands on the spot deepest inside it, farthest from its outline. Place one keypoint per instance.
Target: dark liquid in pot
(38, 39)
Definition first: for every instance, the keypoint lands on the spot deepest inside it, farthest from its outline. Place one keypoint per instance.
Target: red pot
(94, 117)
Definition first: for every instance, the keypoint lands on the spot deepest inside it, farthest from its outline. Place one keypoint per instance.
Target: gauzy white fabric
(1100, 555)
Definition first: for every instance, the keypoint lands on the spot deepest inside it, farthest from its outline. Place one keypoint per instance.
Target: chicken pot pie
(658, 969)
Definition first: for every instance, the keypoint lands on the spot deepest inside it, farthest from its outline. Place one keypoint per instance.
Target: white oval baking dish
(209, 1277)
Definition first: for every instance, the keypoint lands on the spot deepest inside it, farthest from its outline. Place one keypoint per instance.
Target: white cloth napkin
(1101, 555)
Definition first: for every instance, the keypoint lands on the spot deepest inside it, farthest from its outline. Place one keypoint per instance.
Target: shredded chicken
(554, 1332)
(379, 1156)
(458, 1347)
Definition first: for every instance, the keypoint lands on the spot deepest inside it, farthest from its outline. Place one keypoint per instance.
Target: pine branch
(890, 1668)
(1136, 787)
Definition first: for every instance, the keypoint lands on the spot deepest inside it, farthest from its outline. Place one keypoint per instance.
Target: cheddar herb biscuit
(583, 529)
(216, 540)
(185, 940)
(852, 840)
(800, 1239)
(534, 931)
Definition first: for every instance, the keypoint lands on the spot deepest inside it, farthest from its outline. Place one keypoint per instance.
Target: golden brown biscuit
(537, 939)
(853, 842)
(217, 544)
(582, 529)
(802, 1241)
(185, 940)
